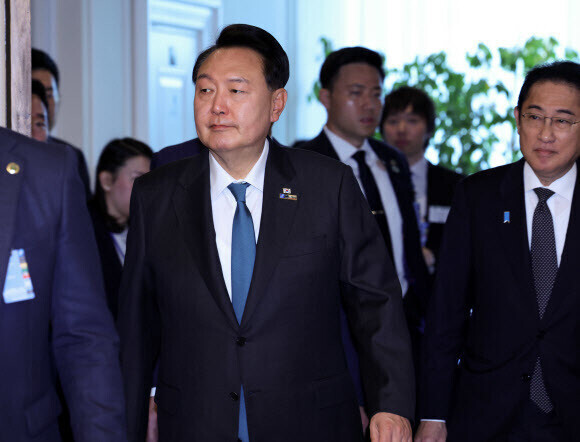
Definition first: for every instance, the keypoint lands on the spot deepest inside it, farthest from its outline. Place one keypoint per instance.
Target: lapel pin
(394, 166)
(286, 194)
(12, 168)
(506, 217)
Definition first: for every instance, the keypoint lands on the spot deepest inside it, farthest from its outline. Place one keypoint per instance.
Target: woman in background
(121, 162)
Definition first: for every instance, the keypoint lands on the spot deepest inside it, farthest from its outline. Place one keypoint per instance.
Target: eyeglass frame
(544, 118)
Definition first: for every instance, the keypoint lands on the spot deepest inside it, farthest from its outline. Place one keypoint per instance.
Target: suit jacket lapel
(10, 185)
(192, 205)
(514, 234)
(277, 218)
(566, 278)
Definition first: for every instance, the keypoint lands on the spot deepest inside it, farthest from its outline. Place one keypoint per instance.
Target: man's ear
(279, 98)
(106, 180)
(517, 117)
(324, 97)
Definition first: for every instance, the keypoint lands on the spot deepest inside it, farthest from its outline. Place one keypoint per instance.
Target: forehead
(231, 63)
(358, 73)
(554, 96)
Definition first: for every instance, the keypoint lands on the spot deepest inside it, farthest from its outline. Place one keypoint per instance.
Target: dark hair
(405, 96)
(41, 60)
(558, 72)
(113, 157)
(39, 90)
(344, 56)
(274, 59)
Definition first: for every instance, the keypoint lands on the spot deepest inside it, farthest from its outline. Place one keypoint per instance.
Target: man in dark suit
(271, 368)
(351, 80)
(510, 256)
(45, 70)
(53, 307)
(408, 123)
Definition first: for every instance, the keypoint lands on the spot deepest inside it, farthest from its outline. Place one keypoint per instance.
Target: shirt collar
(563, 186)
(345, 150)
(419, 169)
(219, 179)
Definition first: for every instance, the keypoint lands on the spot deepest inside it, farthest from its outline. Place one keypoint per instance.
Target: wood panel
(18, 75)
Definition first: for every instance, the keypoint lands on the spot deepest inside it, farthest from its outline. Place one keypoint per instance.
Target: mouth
(219, 127)
(401, 142)
(544, 153)
(368, 121)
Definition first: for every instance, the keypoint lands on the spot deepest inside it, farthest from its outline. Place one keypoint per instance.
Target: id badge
(18, 285)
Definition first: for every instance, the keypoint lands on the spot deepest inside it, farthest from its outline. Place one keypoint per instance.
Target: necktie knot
(543, 194)
(239, 191)
(360, 156)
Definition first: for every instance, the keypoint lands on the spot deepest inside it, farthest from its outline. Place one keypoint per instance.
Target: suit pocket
(167, 398)
(42, 413)
(334, 390)
(304, 246)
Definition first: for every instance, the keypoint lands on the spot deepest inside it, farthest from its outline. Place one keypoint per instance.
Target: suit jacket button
(541, 334)
(235, 396)
(526, 377)
(241, 341)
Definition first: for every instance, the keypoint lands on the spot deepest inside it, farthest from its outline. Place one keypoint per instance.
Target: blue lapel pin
(506, 217)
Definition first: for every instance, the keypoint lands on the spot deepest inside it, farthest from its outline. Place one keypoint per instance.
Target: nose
(401, 126)
(219, 103)
(370, 101)
(546, 134)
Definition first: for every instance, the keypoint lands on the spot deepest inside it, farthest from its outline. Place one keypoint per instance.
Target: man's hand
(429, 431)
(152, 430)
(388, 427)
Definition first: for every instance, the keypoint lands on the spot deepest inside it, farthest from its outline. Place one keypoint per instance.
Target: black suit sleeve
(448, 312)
(372, 299)
(137, 323)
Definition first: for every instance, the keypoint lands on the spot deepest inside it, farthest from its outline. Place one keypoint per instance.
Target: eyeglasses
(537, 122)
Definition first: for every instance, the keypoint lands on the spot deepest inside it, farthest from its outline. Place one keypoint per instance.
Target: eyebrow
(40, 115)
(558, 111)
(230, 80)
(359, 86)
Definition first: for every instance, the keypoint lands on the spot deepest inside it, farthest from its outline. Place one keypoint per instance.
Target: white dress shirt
(419, 178)
(559, 204)
(223, 206)
(345, 151)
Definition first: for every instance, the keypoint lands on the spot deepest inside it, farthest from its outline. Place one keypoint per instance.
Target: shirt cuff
(153, 390)
(433, 420)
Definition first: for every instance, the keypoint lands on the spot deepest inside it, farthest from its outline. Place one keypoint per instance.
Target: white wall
(3, 101)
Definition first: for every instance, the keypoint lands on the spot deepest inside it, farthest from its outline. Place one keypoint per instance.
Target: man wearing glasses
(507, 297)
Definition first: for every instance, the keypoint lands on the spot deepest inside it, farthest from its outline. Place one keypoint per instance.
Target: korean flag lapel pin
(287, 194)
(506, 217)
(395, 166)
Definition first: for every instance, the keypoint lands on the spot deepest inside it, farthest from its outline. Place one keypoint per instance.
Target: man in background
(45, 70)
(351, 80)
(408, 123)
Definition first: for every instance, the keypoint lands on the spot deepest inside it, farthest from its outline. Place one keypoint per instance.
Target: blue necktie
(243, 256)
